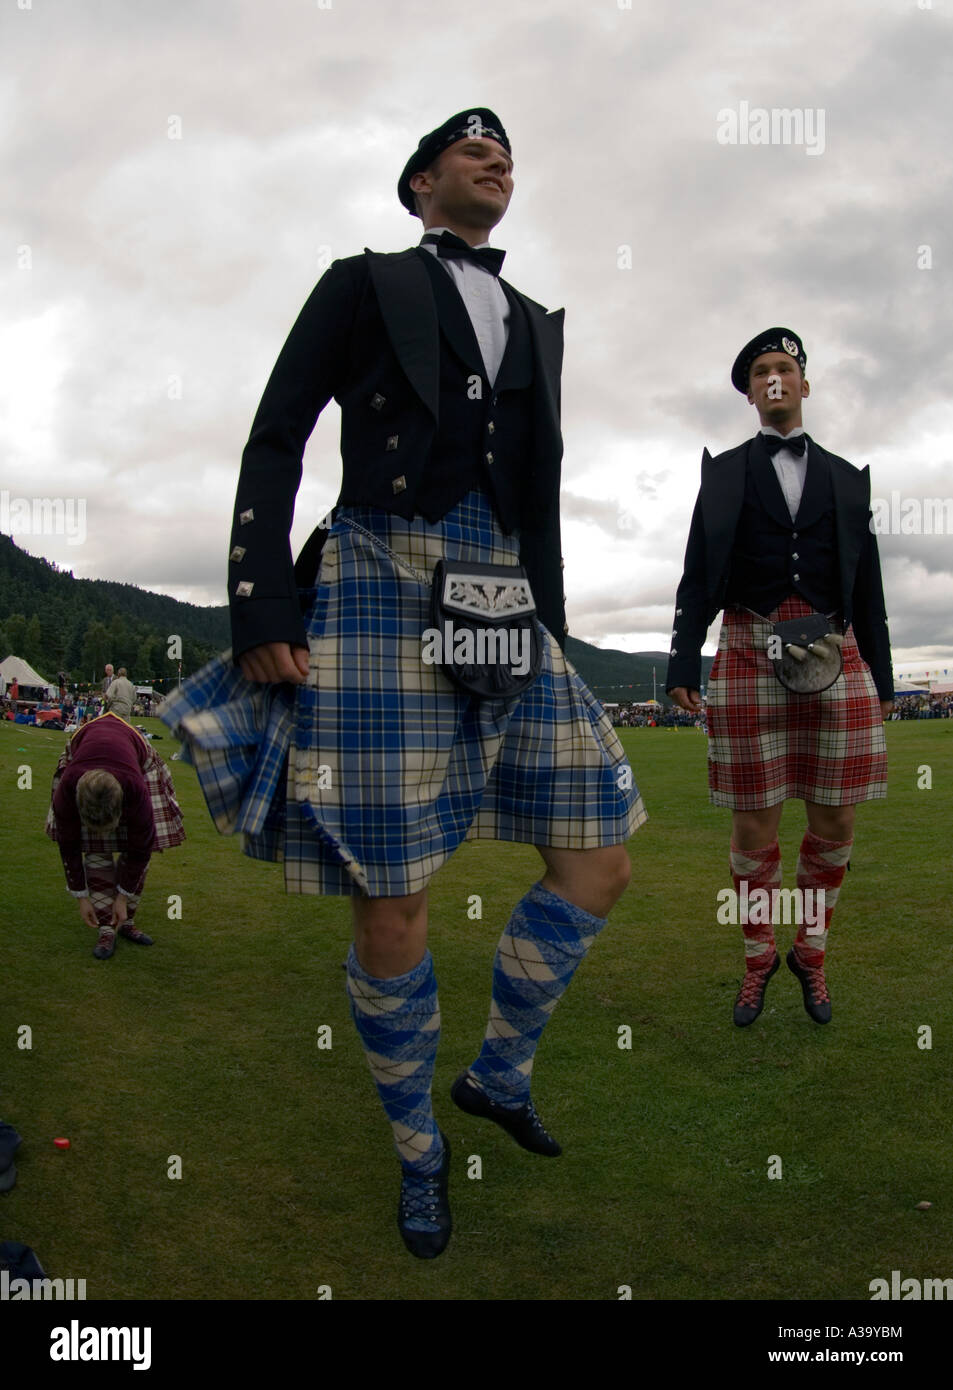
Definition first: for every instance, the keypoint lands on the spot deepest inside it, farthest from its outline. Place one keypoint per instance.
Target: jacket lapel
(851, 487)
(766, 482)
(722, 495)
(516, 368)
(452, 315)
(815, 499)
(409, 311)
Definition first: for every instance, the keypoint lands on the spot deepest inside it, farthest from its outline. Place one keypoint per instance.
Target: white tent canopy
(15, 668)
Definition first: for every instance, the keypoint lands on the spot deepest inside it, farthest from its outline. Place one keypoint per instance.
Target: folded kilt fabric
(766, 743)
(368, 776)
(170, 830)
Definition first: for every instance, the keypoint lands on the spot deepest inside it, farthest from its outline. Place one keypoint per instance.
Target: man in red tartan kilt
(780, 532)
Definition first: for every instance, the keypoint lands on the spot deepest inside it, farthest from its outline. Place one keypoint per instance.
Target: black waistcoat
(484, 435)
(774, 557)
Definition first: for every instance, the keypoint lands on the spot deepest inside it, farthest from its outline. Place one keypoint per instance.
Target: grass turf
(205, 1046)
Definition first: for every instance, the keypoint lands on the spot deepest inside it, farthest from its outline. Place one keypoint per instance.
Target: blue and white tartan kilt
(367, 777)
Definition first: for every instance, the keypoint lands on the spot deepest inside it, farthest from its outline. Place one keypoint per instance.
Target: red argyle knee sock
(821, 865)
(758, 868)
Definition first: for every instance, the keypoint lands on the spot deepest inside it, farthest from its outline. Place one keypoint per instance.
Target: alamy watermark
(43, 516)
(779, 125)
(16, 1290)
(479, 646)
(911, 516)
(804, 907)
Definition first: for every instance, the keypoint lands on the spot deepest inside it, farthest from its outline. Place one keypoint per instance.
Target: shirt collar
(435, 231)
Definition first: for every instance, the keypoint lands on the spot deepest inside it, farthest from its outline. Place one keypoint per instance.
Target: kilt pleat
(364, 779)
(767, 744)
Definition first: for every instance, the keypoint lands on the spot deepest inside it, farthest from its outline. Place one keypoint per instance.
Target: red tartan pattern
(767, 744)
(170, 830)
(103, 873)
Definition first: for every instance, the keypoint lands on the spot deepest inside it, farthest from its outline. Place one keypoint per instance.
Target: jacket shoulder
(531, 303)
(729, 456)
(838, 462)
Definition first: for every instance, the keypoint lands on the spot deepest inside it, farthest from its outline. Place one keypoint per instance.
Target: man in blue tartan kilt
(333, 744)
(780, 532)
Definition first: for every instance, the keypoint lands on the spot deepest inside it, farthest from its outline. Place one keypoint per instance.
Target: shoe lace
(752, 988)
(816, 983)
(418, 1196)
(534, 1119)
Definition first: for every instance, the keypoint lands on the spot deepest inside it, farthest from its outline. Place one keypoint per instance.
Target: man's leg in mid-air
(393, 997)
(543, 943)
(755, 857)
(822, 863)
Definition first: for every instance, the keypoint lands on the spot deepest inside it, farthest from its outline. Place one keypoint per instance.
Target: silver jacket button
(244, 589)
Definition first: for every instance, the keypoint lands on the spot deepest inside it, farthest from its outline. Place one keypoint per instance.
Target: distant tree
(16, 626)
(33, 643)
(95, 647)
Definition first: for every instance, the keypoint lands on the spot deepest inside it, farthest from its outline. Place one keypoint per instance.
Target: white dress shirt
(791, 468)
(485, 302)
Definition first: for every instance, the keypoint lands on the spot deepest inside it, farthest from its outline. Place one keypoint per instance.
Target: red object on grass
(61, 1143)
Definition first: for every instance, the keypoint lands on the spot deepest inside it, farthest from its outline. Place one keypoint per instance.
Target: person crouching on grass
(112, 804)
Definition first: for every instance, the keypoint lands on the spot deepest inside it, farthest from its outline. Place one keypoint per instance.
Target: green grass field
(205, 1046)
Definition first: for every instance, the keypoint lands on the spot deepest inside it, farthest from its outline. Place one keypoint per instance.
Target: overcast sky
(149, 282)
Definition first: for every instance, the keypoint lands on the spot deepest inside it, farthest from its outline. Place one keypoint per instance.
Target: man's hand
(687, 699)
(886, 708)
(119, 911)
(88, 912)
(275, 661)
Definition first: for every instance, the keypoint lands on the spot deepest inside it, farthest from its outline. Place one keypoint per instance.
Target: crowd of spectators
(923, 707)
(72, 708)
(641, 716)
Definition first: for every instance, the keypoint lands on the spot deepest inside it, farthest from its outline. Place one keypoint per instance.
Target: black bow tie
(797, 444)
(456, 248)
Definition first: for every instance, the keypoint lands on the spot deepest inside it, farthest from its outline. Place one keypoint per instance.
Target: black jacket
(701, 593)
(369, 337)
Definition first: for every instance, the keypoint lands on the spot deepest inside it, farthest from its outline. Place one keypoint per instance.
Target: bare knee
(390, 934)
(593, 879)
(831, 822)
(755, 829)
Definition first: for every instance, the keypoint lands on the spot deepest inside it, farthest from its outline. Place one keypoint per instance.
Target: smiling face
(776, 387)
(467, 188)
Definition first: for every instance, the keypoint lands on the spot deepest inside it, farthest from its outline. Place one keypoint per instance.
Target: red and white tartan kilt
(170, 830)
(767, 744)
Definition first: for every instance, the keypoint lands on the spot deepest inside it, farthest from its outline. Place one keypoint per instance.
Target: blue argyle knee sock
(399, 1024)
(539, 950)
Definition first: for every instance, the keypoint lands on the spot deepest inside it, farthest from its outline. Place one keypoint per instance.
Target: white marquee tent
(15, 668)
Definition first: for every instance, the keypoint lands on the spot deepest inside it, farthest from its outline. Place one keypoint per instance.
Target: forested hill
(59, 623)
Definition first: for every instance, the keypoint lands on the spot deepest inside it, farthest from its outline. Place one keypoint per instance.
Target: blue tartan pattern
(542, 944)
(398, 1021)
(367, 777)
